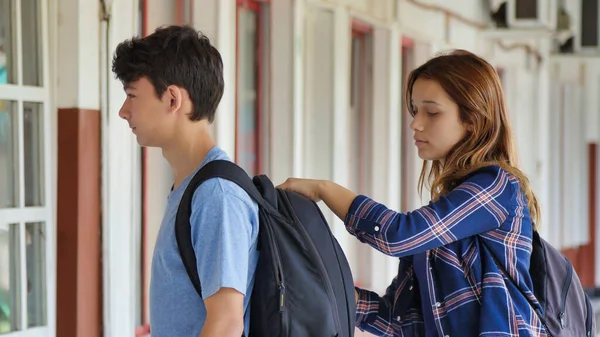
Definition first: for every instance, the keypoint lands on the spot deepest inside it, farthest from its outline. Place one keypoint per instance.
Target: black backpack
(567, 308)
(303, 283)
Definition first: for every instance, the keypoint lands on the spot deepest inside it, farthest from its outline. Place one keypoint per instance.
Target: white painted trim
(299, 39)
(19, 39)
(516, 34)
(49, 24)
(23, 276)
(592, 103)
(352, 12)
(283, 50)
(544, 151)
(32, 332)
(341, 98)
(26, 214)
(104, 104)
(320, 4)
(25, 93)
(21, 156)
(395, 111)
(380, 114)
(225, 121)
(49, 15)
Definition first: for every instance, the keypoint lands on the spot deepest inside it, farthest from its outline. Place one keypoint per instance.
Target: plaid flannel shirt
(484, 217)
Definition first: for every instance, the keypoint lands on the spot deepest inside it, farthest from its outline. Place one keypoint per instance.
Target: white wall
(78, 73)
(573, 125)
(285, 44)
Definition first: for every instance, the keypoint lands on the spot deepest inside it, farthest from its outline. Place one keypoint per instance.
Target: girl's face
(436, 123)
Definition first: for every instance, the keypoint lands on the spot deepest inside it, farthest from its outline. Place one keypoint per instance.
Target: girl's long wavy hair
(473, 84)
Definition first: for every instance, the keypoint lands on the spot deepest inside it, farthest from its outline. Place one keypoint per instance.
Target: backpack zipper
(278, 277)
(565, 291)
(317, 259)
(589, 323)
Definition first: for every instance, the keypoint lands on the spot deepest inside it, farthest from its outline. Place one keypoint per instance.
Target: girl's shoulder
(491, 173)
(494, 179)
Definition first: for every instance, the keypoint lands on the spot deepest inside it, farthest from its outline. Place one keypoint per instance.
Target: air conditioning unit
(531, 13)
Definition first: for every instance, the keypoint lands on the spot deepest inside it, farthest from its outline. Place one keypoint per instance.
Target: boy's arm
(225, 314)
(224, 231)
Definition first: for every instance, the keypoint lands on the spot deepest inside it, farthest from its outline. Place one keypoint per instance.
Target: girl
(464, 258)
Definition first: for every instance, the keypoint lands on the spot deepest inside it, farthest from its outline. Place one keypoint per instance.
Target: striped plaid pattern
(485, 216)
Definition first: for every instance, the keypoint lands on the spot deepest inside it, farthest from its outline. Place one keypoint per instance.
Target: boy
(174, 82)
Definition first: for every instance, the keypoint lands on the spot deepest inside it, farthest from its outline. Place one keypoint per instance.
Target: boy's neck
(188, 149)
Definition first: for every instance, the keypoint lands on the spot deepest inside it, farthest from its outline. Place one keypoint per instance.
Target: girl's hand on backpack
(310, 188)
(336, 197)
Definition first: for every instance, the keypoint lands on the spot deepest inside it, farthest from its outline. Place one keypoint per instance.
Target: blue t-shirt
(224, 224)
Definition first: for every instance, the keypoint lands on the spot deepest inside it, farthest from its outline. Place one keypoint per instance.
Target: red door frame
(583, 257)
(589, 251)
(254, 6)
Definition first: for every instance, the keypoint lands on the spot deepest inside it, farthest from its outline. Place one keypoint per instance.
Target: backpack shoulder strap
(183, 230)
(503, 270)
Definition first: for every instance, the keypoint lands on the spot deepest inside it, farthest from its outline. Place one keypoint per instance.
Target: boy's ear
(175, 97)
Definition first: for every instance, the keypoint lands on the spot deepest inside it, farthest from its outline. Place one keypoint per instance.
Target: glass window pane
(33, 161)
(589, 23)
(36, 273)
(8, 73)
(247, 135)
(32, 43)
(527, 9)
(8, 154)
(10, 319)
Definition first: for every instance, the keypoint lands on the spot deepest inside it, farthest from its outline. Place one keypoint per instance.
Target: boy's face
(147, 115)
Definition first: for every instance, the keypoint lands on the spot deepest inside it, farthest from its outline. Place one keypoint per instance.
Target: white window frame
(46, 214)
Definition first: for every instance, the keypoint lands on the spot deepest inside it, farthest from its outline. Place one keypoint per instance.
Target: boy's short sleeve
(224, 224)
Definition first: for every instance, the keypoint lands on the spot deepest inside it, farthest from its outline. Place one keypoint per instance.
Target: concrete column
(79, 300)
(283, 53)
(380, 169)
(394, 127)
(341, 112)
(544, 134)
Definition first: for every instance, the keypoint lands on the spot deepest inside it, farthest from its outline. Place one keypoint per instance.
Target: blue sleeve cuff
(357, 219)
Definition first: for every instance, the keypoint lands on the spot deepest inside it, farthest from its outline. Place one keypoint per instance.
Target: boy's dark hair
(175, 55)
